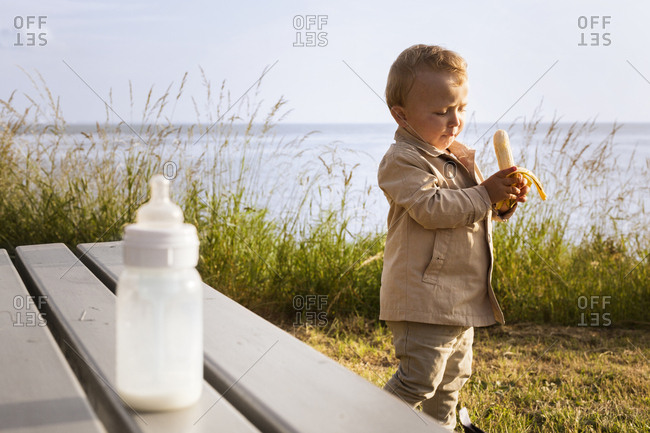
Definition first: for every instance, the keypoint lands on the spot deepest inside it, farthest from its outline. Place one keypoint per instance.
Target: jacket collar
(462, 153)
(402, 134)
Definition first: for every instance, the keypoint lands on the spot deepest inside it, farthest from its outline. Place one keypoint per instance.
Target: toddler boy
(435, 284)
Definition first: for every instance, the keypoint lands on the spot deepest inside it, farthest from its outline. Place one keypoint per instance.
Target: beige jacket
(438, 255)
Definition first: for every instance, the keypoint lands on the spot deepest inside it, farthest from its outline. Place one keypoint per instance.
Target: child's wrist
(504, 212)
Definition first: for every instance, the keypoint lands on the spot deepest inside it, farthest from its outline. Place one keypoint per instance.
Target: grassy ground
(527, 377)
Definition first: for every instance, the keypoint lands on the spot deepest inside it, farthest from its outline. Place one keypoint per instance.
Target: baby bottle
(159, 340)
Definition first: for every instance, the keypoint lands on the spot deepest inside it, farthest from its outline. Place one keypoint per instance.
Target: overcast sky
(524, 53)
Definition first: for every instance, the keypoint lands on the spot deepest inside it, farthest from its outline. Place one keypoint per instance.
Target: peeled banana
(505, 160)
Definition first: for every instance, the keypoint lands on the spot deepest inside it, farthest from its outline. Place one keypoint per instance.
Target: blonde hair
(402, 73)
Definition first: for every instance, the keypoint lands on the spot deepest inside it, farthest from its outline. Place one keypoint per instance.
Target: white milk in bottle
(159, 341)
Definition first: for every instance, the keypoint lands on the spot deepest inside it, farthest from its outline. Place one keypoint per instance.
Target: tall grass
(274, 217)
(579, 258)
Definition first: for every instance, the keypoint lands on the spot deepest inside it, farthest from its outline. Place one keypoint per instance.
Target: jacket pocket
(440, 246)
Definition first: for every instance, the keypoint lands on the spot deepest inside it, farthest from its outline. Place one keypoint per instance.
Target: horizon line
(567, 122)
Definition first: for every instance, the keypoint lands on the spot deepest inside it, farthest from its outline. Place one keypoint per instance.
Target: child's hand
(500, 187)
(521, 197)
(523, 188)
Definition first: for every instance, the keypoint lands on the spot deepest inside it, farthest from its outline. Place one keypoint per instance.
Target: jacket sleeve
(408, 183)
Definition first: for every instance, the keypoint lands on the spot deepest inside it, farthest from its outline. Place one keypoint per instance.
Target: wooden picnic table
(57, 361)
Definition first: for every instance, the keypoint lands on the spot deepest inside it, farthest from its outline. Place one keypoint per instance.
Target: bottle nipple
(159, 211)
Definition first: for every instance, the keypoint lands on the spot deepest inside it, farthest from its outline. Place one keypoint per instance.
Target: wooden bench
(38, 391)
(80, 310)
(257, 377)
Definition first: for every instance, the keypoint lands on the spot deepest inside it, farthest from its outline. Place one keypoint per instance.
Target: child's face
(435, 108)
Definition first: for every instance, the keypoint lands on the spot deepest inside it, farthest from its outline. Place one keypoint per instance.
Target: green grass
(84, 188)
(527, 377)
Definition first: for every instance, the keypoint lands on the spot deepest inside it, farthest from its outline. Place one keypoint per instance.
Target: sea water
(355, 150)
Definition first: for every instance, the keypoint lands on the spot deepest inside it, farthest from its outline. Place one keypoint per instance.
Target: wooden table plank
(38, 391)
(278, 382)
(82, 312)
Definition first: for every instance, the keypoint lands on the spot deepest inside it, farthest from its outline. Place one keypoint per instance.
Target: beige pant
(435, 362)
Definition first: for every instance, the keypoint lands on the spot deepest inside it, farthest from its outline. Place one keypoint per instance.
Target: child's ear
(399, 115)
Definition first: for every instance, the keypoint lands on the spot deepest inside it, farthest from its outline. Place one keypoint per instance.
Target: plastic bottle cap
(159, 238)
